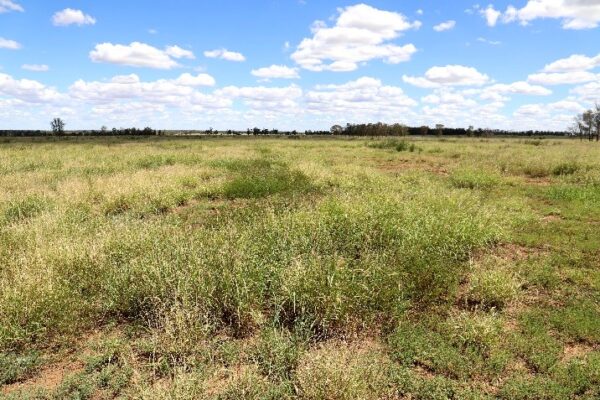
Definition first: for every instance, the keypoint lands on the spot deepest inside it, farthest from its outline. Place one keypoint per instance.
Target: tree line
(587, 125)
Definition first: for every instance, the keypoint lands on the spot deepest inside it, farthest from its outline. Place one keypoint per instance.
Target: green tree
(58, 126)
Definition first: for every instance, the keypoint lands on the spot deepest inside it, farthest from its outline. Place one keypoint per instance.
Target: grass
(315, 268)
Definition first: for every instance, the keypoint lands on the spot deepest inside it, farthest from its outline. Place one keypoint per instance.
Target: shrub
(566, 168)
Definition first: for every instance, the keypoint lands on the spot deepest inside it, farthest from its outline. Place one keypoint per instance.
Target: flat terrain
(242, 268)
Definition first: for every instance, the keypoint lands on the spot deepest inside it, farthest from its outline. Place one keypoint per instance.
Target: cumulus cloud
(69, 16)
(562, 78)
(138, 54)
(27, 90)
(488, 41)
(449, 75)
(363, 99)
(445, 26)
(576, 62)
(262, 98)
(361, 33)
(525, 88)
(590, 92)
(35, 67)
(198, 80)
(178, 52)
(490, 14)
(130, 87)
(9, 5)
(574, 14)
(9, 44)
(225, 54)
(276, 72)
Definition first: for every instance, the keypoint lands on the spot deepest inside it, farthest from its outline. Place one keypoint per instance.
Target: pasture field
(243, 268)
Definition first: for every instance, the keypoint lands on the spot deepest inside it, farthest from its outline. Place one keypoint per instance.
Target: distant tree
(104, 129)
(439, 129)
(424, 130)
(58, 126)
(470, 131)
(336, 130)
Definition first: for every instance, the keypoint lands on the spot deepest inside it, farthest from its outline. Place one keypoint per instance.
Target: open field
(155, 268)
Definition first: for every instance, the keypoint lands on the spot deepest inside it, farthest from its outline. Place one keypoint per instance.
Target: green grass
(263, 268)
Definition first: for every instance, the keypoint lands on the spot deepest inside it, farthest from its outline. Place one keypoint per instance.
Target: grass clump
(20, 210)
(262, 178)
(15, 368)
(492, 286)
(277, 354)
(566, 168)
(338, 371)
(395, 144)
(470, 179)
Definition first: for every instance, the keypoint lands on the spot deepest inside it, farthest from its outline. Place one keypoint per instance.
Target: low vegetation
(262, 268)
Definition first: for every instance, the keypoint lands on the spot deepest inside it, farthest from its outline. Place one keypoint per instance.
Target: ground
(309, 268)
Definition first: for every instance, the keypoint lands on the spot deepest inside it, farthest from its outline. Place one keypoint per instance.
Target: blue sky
(291, 64)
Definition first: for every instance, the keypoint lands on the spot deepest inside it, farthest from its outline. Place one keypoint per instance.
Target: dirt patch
(576, 350)
(224, 378)
(538, 181)
(49, 378)
(509, 252)
(551, 218)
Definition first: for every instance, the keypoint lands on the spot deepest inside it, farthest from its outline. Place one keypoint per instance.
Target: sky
(297, 64)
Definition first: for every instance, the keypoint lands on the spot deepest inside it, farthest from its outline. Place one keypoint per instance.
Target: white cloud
(445, 26)
(590, 92)
(27, 90)
(178, 52)
(9, 5)
(490, 14)
(576, 62)
(361, 33)
(35, 67)
(562, 78)
(130, 87)
(537, 111)
(265, 99)
(448, 97)
(449, 75)
(491, 92)
(225, 54)
(419, 12)
(198, 80)
(276, 72)
(488, 41)
(69, 16)
(364, 99)
(574, 14)
(9, 44)
(135, 54)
